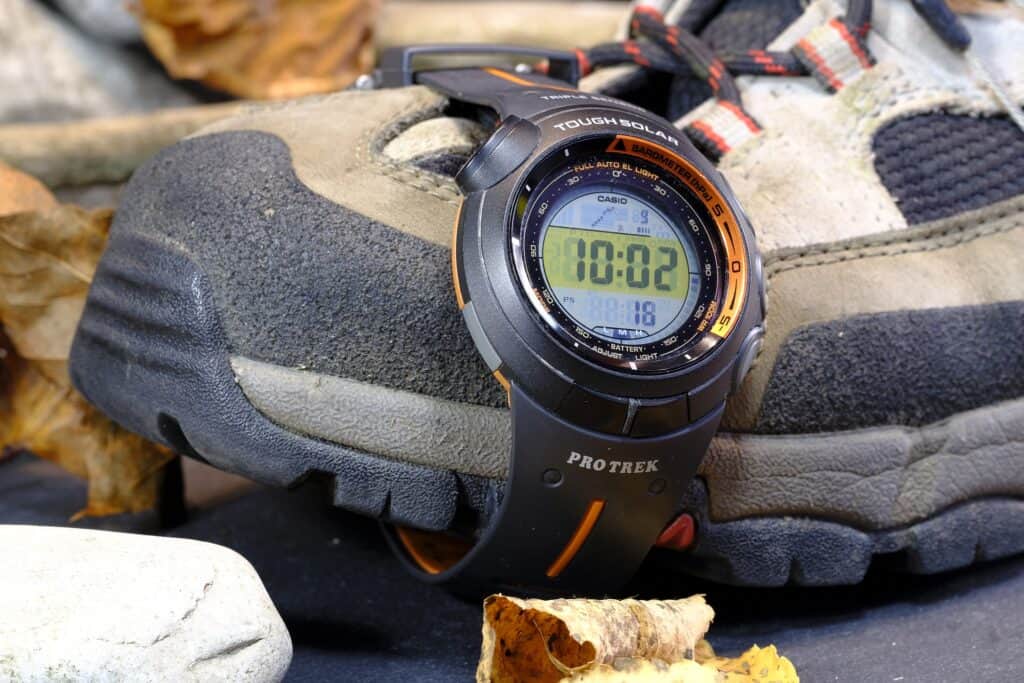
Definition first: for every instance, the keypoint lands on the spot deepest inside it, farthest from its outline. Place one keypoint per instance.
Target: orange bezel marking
(455, 263)
(736, 261)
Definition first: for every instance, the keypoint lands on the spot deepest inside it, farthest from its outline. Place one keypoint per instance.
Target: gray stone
(51, 72)
(101, 606)
(106, 19)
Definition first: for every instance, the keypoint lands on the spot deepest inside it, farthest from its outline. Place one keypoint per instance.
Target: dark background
(355, 615)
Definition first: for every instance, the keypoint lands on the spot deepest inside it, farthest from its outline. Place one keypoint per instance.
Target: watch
(611, 282)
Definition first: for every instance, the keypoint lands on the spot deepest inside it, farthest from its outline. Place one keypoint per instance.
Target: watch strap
(507, 93)
(581, 509)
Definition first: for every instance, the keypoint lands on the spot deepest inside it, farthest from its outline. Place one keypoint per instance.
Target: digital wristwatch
(611, 282)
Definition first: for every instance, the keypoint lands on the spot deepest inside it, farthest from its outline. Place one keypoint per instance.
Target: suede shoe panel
(302, 282)
(973, 259)
(910, 367)
(337, 145)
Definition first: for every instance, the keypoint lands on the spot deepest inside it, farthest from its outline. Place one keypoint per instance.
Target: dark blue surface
(354, 615)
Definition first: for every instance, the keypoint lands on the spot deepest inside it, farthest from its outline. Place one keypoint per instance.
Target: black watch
(611, 283)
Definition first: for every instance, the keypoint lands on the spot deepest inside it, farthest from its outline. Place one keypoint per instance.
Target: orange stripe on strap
(506, 76)
(576, 542)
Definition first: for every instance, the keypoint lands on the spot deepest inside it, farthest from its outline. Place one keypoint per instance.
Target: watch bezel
(689, 340)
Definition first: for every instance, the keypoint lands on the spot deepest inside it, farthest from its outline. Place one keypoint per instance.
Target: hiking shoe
(276, 297)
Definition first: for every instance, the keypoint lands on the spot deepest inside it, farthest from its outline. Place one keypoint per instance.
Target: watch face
(628, 254)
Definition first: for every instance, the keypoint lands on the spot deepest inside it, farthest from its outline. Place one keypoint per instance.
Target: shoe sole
(150, 352)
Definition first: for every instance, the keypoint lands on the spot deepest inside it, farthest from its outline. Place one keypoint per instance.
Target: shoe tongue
(740, 25)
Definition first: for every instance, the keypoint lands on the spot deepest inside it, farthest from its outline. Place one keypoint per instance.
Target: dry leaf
(547, 640)
(612, 641)
(262, 49)
(47, 259)
(48, 254)
(20, 192)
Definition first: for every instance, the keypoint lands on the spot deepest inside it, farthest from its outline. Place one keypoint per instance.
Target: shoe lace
(654, 43)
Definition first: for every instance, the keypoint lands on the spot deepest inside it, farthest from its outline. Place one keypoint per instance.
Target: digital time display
(618, 266)
(625, 254)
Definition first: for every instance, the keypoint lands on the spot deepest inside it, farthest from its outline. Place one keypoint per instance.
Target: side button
(748, 354)
(759, 280)
(502, 153)
(656, 417)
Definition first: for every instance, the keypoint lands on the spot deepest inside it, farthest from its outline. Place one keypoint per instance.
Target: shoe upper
(890, 214)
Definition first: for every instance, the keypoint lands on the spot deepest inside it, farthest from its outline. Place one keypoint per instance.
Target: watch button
(706, 397)
(748, 354)
(592, 411)
(759, 281)
(661, 416)
(507, 148)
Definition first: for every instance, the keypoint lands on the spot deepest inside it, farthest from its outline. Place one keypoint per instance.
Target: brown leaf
(47, 259)
(262, 49)
(22, 192)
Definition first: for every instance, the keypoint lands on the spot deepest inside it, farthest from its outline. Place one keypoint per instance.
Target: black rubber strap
(581, 509)
(507, 93)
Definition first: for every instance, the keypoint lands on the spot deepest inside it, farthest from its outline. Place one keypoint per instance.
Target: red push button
(680, 534)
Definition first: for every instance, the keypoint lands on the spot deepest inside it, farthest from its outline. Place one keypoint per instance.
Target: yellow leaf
(756, 665)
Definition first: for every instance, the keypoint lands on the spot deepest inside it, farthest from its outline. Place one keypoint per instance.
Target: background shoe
(276, 299)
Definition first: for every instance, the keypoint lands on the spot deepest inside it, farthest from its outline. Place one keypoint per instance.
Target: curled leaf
(544, 640)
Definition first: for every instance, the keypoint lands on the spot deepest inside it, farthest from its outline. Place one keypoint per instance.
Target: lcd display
(617, 266)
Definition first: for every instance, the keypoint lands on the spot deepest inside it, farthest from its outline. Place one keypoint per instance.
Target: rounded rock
(94, 605)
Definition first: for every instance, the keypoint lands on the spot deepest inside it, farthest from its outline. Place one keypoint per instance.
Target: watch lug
(505, 151)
